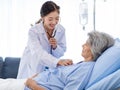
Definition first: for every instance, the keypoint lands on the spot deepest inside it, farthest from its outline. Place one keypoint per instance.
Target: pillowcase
(105, 84)
(106, 64)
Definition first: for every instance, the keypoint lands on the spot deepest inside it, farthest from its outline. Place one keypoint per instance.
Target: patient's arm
(33, 85)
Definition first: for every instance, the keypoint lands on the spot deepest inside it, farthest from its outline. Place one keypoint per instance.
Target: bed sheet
(12, 84)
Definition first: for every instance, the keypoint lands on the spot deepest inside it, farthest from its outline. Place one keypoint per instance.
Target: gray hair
(99, 42)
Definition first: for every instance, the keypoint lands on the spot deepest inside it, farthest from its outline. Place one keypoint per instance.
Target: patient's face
(86, 52)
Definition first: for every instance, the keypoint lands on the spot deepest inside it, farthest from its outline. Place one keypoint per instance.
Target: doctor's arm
(42, 57)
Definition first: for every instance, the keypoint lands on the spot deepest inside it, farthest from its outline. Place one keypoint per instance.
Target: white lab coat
(37, 53)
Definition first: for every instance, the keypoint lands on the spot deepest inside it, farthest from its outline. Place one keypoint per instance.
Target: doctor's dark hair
(49, 7)
(99, 42)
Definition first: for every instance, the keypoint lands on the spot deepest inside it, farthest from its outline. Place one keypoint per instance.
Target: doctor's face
(51, 20)
(86, 52)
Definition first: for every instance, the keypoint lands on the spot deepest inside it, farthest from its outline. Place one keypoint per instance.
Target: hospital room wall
(108, 17)
(19, 14)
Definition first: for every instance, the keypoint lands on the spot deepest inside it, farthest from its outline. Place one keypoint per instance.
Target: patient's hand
(30, 83)
(65, 62)
(34, 75)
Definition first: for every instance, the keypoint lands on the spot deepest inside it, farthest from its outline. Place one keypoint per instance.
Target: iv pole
(94, 15)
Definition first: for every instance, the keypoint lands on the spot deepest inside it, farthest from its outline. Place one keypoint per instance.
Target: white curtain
(15, 19)
(17, 15)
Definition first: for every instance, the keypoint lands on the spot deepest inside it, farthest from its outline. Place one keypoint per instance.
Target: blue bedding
(111, 82)
(66, 77)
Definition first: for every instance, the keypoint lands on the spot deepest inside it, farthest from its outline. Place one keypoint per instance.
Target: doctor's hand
(65, 62)
(53, 43)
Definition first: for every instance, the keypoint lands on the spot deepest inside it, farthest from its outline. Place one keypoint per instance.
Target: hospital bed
(106, 72)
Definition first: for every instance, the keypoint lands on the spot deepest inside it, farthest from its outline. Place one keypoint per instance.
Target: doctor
(46, 43)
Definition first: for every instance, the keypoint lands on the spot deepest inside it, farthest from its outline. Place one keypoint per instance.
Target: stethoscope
(51, 36)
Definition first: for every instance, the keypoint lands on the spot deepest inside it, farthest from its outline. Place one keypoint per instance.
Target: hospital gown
(73, 77)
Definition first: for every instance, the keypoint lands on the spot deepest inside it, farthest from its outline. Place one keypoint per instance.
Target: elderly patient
(73, 76)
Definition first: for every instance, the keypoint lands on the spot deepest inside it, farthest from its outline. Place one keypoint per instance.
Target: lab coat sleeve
(39, 54)
(61, 45)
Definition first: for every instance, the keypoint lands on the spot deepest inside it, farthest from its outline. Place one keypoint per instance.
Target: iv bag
(83, 13)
